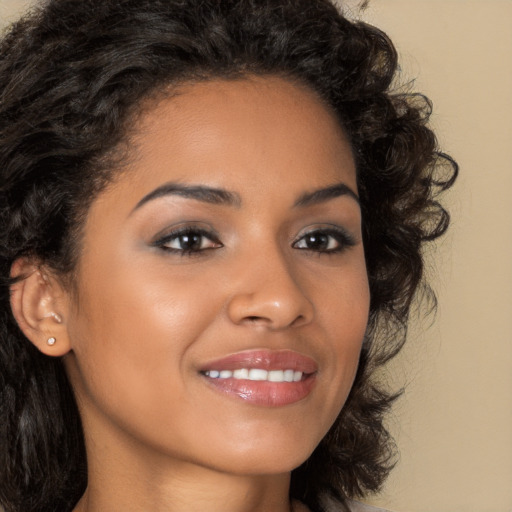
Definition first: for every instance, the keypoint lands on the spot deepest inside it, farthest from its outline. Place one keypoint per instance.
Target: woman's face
(222, 294)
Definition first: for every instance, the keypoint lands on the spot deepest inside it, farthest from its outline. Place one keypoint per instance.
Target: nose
(268, 294)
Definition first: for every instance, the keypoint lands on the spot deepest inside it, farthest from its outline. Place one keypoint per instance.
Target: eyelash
(340, 236)
(342, 239)
(163, 243)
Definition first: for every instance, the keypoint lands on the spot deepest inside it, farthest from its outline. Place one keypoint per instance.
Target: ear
(39, 304)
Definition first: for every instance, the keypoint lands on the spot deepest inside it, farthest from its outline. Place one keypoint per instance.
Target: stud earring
(51, 341)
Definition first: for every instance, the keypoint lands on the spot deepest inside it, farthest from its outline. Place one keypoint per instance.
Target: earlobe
(38, 305)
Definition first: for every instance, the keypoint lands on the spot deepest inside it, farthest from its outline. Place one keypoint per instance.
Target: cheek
(134, 307)
(343, 298)
(344, 316)
(131, 338)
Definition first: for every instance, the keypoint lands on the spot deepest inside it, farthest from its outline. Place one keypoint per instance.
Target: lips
(256, 374)
(263, 377)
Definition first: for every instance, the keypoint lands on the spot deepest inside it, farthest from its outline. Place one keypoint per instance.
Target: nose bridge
(267, 290)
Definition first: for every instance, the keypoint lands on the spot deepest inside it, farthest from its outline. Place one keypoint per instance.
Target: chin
(266, 454)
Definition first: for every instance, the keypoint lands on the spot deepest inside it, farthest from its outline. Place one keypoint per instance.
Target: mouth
(257, 374)
(263, 377)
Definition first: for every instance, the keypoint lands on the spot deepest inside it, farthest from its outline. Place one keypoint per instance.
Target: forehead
(244, 134)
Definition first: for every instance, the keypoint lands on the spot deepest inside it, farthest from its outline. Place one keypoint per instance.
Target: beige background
(454, 424)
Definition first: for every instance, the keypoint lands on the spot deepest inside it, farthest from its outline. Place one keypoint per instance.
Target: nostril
(257, 319)
(299, 319)
(274, 308)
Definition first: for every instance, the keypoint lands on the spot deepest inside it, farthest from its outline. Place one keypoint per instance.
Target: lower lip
(264, 393)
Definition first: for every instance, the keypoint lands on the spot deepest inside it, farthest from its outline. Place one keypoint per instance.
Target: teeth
(288, 375)
(257, 374)
(276, 376)
(241, 374)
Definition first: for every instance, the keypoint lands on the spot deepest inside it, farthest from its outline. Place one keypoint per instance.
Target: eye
(188, 240)
(325, 240)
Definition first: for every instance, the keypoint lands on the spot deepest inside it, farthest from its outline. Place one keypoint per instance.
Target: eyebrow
(219, 196)
(325, 194)
(198, 192)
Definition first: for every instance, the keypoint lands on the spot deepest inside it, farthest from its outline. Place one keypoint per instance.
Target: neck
(127, 479)
(191, 492)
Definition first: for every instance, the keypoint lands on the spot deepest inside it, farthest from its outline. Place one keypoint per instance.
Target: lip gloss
(263, 377)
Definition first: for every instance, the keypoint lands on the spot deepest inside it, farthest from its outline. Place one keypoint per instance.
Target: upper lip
(264, 359)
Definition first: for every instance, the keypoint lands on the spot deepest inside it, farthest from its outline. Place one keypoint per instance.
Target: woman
(212, 221)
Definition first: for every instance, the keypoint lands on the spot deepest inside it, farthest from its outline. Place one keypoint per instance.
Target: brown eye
(319, 242)
(188, 240)
(330, 240)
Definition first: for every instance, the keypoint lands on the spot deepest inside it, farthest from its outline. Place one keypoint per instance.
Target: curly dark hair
(73, 74)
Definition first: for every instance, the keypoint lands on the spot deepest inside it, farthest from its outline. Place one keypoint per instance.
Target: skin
(144, 320)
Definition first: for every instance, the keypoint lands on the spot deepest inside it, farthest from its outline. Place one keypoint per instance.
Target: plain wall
(11, 9)
(454, 423)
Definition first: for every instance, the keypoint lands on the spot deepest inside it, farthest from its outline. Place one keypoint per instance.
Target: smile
(257, 374)
(263, 377)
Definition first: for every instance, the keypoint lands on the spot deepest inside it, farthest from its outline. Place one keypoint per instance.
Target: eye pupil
(190, 241)
(317, 241)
